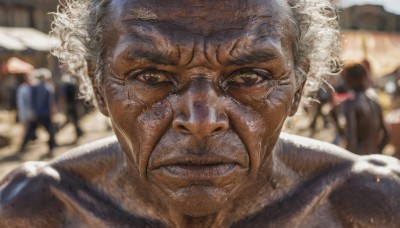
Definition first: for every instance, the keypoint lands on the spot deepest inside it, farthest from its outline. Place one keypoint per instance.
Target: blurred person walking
(393, 117)
(43, 106)
(24, 103)
(396, 92)
(69, 92)
(322, 107)
(365, 130)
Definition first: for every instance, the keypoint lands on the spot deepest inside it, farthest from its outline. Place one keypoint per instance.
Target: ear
(296, 99)
(98, 92)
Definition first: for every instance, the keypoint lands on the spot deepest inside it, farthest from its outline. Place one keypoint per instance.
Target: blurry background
(370, 35)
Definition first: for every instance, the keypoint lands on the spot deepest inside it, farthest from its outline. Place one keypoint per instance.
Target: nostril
(182, 128)
(218, 129)
(200, 127)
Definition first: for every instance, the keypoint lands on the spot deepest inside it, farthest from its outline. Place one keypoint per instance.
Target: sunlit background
(370, 34)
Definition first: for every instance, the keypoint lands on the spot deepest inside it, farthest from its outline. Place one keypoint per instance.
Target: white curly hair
(79, 24)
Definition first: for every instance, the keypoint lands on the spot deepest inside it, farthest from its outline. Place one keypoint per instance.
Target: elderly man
(197, 92)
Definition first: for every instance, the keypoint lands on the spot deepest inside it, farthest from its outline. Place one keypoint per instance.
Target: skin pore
(196, 105)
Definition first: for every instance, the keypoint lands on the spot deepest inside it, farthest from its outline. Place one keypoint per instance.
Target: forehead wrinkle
(182, 26)
(259, 45)
(150, 10)
(140, 13)
(149, 43)
(190, 13)
(258, 56)
(150, 56)
(143, 37)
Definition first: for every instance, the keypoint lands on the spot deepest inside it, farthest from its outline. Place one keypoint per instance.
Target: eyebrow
(150, 56)
(253, 57)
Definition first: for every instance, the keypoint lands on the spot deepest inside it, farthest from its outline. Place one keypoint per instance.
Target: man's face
(197, 92)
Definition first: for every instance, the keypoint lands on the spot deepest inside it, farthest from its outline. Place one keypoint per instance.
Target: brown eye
(152, 77)
(247, 78)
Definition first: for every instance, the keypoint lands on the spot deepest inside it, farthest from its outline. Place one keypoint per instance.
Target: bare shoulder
(307, 156)
(31, 195)
(363, 191)
(91, 160)
(370, 193)
(26, 199)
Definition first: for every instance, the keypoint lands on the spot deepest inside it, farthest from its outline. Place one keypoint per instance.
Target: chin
(198, 191)
(198, 201)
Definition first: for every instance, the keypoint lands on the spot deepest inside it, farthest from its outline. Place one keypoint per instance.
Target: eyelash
(265, 75)
(133, 75)
(227, 81)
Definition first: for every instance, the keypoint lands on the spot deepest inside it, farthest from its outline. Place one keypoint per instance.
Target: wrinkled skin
(215, 95)
(197, 97)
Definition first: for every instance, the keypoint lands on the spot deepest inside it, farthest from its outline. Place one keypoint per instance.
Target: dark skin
(197, 99)
(365, 130)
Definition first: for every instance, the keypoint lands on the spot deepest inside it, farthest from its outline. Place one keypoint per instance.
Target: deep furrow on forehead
(178, 49)
(206, 52)
(191, 51)
(217, 57)
(200, 52)
(179, 45)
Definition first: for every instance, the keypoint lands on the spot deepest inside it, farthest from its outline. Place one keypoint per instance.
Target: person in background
(322, 107)
(393, 117)
(24, 103)
(396, 91)
(365, 130)
(43, 107)
(69, 93)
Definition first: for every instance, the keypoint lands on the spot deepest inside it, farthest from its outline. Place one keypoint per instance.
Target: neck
(147, 204)
(233, 211)
(180, 221)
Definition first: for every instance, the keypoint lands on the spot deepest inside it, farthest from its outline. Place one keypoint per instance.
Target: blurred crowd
(37, 104)
(364, 114)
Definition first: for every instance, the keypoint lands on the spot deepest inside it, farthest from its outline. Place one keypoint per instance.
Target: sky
(392, 6)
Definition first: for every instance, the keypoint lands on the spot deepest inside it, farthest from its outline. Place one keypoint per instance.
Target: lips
(196, 167)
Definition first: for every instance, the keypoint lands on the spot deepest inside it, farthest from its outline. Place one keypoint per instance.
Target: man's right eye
(249, 77)
(150, 76)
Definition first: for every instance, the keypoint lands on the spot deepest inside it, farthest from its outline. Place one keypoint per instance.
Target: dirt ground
(96, 126)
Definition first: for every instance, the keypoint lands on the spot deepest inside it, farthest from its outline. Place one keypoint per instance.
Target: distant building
(370, 18)
(27, 13)
(370, 33)
(16, 16)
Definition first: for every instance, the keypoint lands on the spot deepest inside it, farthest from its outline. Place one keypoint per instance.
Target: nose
(199, 113)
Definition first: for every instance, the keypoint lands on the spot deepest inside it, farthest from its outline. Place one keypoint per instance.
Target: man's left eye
(247, 78)
(152, 77)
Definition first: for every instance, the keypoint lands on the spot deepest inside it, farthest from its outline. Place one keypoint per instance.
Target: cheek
(264, 110)
(276, 105)
(151, 126)
(258, 121)
(123, 113)
(138, 125)
(275, 109)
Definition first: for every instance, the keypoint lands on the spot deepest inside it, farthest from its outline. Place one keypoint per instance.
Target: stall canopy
(381, 49)
(15, 65)
(21, 39)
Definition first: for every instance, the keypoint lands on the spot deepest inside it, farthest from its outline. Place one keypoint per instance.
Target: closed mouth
(197, 168)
